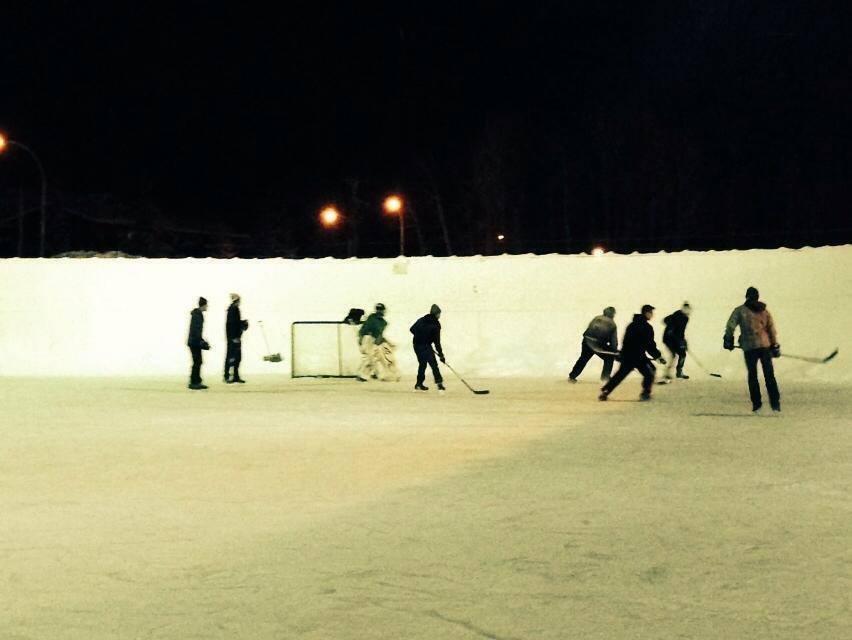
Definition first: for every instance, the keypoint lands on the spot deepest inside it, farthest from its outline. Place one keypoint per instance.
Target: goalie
(377, 352)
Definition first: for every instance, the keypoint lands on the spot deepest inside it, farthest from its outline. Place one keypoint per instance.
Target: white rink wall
(503, 315)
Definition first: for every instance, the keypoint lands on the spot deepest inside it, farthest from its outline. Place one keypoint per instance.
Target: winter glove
(775, 350)
(728, 343)
(205, 346)
(245, 325)
(442, 358)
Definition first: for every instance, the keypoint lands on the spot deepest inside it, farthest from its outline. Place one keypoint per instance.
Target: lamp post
(393, 205)
(5, 144)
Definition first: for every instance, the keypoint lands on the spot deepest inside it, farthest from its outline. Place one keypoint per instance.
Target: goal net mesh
(324, 350)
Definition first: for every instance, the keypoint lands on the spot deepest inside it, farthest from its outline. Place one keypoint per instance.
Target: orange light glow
(598, 251)
(329, 217)
(501, 237)
(3, 143)
(393, 204)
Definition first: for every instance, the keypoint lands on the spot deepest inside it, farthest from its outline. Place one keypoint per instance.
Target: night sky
(643, 125)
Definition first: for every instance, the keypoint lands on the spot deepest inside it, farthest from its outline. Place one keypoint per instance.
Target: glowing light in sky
(329, 217)
(393, 204)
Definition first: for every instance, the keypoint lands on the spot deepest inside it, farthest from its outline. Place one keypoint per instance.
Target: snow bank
(503, 315)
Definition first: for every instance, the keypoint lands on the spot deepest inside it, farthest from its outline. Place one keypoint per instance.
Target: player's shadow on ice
(722, 415)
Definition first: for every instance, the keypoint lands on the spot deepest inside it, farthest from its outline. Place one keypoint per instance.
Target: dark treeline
(638, 126)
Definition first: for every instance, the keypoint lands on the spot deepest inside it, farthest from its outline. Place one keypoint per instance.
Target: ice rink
(133, 508)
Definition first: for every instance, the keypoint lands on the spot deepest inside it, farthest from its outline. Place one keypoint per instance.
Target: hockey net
(324, 349)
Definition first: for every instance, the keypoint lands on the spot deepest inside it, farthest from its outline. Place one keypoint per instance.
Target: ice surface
(505, 315)
(133, 508)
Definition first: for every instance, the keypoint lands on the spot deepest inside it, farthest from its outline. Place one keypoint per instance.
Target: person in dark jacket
(427, 341)
(234, 328)
(674, 337)
(600, 336)
(638, 344)
(759, 342)
(197, 343)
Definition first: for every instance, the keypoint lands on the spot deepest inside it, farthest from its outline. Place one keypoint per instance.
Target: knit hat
(646, 308)
(380, 306)
(609, 312)
(435, 310)
(752, 294)
(202, 302)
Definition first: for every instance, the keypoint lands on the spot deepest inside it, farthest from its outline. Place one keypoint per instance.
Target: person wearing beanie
(197, 344)
(377, 352)
(759, 342)
(638, 345)
(600, 339)
(674, 337)
(234, 328)
(426, 342)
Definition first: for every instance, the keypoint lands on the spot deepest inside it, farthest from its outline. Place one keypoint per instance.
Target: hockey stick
(272, 357)
(810, 359)
(698, 362)
(828, 358)
(594, 346)
(479, 392)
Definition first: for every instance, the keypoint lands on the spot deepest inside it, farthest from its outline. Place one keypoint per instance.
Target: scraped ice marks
(750, 414)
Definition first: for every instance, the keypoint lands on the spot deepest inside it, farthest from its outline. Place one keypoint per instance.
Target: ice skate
(682, 375)
(572, 380)
(441, 387)
(196, 387)
(644, 396)
(603, 396)
(420, 387)
(238, 380)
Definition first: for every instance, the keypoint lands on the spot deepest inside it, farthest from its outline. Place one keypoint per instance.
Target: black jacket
(427, 331)
(675, 333)
(234, 325)
(639, 341)
(196, 326)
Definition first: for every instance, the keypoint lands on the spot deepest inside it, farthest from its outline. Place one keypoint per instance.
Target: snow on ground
(133, 508)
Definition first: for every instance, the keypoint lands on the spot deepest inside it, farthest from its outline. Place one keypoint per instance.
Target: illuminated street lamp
(329, 217)
(598, 251)
(394, 206)
(6, 144)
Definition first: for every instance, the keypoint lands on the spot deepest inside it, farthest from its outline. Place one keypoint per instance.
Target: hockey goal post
(324, 349)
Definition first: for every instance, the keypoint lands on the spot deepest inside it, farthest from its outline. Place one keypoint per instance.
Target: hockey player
(197, 343)
(638, 344)
(427, 341)
(601, 336)
(234, 328)
(377, 356)
(759, 343)
(674, 337)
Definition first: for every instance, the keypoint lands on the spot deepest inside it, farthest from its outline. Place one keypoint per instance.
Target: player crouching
(377, 352)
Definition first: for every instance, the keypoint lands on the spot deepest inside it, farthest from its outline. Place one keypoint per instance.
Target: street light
(5, 144)
(598, 251)
(394, 206)
(329, 217)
